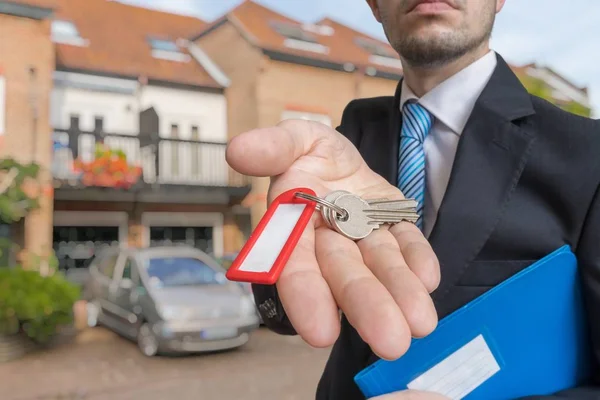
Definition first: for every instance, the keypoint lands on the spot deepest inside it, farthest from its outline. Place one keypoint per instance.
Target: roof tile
(117, 36)
(257, 21)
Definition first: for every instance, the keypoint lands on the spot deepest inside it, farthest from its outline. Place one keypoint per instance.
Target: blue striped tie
(416, 123)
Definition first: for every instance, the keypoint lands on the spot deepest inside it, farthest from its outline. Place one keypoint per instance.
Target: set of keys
(274, 239)
(355, 217)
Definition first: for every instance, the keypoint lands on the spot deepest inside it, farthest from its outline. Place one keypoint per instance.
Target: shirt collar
(452, 101)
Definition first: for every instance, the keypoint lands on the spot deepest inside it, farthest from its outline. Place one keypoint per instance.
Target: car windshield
(180, 271)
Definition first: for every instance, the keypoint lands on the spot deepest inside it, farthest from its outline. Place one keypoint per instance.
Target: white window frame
(305, 46)
(386, 61)
(322, 118)
(96, 218)
(186, 219)
(72, 39)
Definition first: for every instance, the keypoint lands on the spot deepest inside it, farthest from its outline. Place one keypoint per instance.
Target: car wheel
(147, 341)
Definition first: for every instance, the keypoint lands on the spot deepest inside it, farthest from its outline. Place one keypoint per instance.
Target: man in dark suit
(502, 178)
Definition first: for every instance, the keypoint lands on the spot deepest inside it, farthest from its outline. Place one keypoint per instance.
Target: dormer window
(297, 38)
(324, 30)
(167, 50)
(379, 53)
(66, 32)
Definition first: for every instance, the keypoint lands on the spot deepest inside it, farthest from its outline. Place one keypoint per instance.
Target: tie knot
(416, 121)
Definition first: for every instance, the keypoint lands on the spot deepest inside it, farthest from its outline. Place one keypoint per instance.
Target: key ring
(323, 203)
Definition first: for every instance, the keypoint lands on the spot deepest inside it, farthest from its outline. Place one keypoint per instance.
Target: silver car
(169, 299)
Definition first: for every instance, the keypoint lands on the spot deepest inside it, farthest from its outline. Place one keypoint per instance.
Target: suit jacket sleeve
(588, 257)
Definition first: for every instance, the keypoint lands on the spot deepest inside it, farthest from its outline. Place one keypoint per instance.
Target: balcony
(141, 164)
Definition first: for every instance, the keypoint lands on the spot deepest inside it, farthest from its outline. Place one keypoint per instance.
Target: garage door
(75, 246)
(199, 237)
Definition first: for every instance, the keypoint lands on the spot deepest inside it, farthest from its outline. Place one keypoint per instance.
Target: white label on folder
(461, 372)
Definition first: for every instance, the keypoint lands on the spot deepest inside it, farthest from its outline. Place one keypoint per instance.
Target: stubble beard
(435, 51)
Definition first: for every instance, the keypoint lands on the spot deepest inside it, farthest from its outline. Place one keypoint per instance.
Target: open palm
(381, 283)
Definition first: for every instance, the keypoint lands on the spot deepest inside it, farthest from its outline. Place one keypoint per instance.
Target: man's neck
(422, 80)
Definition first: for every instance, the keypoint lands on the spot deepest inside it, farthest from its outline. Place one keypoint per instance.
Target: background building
(128, 110)
(128, 78)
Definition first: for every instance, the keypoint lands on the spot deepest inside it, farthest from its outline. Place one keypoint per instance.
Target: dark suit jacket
(524, 182)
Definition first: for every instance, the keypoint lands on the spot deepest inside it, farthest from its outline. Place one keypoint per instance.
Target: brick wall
(25, 46)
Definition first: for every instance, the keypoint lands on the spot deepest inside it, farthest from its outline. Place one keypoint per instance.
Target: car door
(102, 272)
(125, 296)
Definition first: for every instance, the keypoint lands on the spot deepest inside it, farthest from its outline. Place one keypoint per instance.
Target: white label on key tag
(461, 372)
(269, 244)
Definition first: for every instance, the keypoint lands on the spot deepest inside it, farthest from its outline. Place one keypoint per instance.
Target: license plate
(218, 333)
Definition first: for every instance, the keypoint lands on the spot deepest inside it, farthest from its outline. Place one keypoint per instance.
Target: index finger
(306, 297)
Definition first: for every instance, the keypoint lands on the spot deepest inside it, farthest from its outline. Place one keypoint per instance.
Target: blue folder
(526, 336)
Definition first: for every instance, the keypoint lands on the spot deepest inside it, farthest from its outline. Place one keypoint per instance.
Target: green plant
(35, 305)
(539, 88)
(15, 202)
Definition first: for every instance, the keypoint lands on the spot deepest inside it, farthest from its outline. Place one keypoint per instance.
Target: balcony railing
(161, 160)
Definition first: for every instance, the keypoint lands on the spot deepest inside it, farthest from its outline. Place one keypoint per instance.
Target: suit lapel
(380, 143)
(490, 158)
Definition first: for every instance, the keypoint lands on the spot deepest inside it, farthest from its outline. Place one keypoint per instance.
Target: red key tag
(270, 245)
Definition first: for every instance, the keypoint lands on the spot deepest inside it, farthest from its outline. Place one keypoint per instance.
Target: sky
(563, 35)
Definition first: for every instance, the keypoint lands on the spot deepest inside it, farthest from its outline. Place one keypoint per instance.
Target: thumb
(272, 151)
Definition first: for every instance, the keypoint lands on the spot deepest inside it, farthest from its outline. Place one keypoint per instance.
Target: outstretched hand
(381, 283)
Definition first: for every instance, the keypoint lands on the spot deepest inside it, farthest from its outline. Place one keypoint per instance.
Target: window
(2, 104)
(98, 124)
(164, 45)
(292, 31)
(168, 50)
(298, 38)
(179, 271)
(127, 269)
(380, 54)
(195, 133)
(375, 48)
(66, 32)
(174, 134)
(196, 149)
(74, 121)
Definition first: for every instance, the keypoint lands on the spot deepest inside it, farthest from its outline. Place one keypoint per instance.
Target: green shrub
(34, 304)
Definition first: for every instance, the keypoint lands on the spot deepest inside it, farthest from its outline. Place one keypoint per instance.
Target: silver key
(386, 204)
(392, 211)
(327, 212)
(364, 216)
(356, 226)
(383, 204)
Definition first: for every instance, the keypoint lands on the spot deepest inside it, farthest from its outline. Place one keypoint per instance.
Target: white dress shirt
(451, 103)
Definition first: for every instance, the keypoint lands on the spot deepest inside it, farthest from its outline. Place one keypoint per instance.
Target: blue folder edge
(364, 378)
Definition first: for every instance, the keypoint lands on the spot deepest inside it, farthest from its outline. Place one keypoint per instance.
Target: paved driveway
(99, 365)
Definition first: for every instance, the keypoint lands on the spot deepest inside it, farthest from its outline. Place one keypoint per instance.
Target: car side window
(130, 271)
(108, 264)
(127, 269)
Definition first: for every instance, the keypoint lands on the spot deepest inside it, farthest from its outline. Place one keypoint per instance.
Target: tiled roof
(117, 41)
(339, 46)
